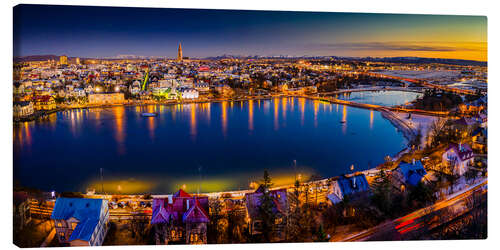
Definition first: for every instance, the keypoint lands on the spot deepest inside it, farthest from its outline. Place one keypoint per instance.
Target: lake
(383, 98)
(206, 147)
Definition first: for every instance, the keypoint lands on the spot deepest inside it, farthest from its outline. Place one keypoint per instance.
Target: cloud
(394, 46)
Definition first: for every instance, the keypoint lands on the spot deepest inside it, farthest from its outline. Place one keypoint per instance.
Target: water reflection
(193, 121)
(284, 105)
(344, 119)
(302, 102)
(119, 113)
(126, 142)
(224, 118)
(316, 107)
(22, 134)
(371, 119)
(276, 108)
(250, 115)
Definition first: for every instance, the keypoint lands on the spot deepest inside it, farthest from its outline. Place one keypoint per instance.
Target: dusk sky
(108, 32)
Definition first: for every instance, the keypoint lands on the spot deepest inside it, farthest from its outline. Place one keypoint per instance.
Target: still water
(384, 98)
(206, 147)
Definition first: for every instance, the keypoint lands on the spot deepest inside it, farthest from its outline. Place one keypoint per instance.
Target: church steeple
(179, 53)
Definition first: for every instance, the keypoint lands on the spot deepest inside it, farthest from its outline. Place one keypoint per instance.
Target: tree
(417, 139)
(139, 227)
(266, 209)
(293, 229)
(216, 231)
(236, 226)
(421, 194)
(471, 174)
(321, 235)
(316, 178)
(382, 192)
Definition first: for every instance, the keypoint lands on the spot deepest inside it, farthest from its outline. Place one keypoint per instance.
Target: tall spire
(179, 53)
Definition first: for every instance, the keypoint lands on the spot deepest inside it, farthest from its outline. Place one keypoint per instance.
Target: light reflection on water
(67, 150)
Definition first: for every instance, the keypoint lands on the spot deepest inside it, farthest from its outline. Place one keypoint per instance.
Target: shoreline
(408, 134)
(42, 114)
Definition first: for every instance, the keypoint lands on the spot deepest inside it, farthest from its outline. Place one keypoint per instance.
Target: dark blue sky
(110, 31)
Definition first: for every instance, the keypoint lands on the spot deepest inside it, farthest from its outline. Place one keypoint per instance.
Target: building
(106, 98)
(253, 202)
(180, 218)
(408, 174)
(81, 222)
(44, 102)
(77, 60)
(23, 109)
(135, 88)
(482, 119)
(63, 60)
(179, 53)
(224, 90)
(202, 86)
(458, 158)
(480, 139)
(22, 215)
(190, 94)
(351, 186)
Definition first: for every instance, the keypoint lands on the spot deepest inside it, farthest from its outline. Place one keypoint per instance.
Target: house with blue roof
(408, 174)
(352, 186)
(80, 221)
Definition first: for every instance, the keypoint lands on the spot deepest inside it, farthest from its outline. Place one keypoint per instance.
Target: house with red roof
(458, 157)
(180, 218)
(44, 102)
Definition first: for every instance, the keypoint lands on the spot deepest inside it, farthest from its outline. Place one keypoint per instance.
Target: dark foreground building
(180, 218)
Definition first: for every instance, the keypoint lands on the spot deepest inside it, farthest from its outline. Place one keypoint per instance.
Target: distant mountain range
(422, 60)
(425, 60)
(35, 58)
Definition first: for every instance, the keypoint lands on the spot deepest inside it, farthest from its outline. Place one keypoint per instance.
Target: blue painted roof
(412, 173)
(86, 211)
(84, 229)
(354, 184)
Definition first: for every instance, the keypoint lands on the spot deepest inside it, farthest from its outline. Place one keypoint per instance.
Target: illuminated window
(59, 224)
(73, 225)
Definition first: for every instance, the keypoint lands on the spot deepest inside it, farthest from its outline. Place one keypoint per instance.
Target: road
(406, 227)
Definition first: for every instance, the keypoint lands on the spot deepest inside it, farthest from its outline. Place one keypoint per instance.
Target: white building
(190, 94)
(458, 157)
(23, 109)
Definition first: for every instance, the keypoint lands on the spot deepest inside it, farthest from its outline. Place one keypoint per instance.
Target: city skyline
(112, 31)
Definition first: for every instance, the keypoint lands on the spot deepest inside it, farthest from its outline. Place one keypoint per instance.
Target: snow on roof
(353, 184)
(412, 172)
(463, 150)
